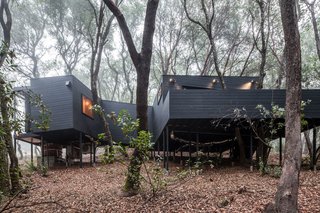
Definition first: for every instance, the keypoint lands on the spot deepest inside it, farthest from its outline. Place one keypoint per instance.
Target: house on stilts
(190, 115)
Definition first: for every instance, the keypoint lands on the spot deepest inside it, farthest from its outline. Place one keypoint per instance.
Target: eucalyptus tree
(209, 19)
(6, 107)
(226, 35)
(124, 75)
(261, 38)
(313, 7)
(122, 87)
(28, 35)
(170, 29)
(286, 199)
(6, 24)
(67, 19)
(142, 63)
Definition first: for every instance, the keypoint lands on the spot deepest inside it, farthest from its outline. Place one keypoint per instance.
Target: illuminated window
(87, 106)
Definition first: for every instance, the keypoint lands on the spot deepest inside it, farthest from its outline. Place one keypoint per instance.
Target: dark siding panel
(218, 104)
(111, 106)
(160, 116)
(57, 97)
(82, 122)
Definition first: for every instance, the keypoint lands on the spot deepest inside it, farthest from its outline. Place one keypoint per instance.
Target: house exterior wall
(58, 99)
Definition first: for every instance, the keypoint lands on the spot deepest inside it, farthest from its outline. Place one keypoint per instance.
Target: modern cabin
(190, 114)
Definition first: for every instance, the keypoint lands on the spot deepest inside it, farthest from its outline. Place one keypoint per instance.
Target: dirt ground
(98, 189)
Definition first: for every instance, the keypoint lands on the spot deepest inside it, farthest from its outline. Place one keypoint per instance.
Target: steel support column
(81, 149)
(167, 147)
(31, 151)
(164, 149)
(280, 151)
(251, 153)
(314, 149)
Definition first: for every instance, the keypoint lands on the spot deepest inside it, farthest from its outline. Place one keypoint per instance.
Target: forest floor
(99, 189)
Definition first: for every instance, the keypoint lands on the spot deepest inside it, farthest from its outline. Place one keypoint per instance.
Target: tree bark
(4, 172)
(97, 44)
(286, 199)
(208, 29)
(241, 146)
(142, 63)
(7, 139)
(6, 23)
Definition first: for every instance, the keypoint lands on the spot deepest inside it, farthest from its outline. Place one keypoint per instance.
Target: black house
(183, 116)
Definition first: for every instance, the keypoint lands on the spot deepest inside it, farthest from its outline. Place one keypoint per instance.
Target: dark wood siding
(57, 97)
(81, 122)
(116, 107)
(160, 115)
(217, 104)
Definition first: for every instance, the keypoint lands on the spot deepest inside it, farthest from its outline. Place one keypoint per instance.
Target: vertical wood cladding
(58, 99)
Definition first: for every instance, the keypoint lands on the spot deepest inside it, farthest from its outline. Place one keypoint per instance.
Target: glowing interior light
(87, 106)
(246, 86)
(172, 135)
(172, 80)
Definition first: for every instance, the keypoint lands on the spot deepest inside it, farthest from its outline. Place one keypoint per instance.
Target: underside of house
(190, 116)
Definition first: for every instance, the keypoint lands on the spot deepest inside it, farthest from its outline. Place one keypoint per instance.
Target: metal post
(42, 152)
(181, 155)
(190, 152)
(47, 148)
(94, 154)
(91, 154)
(280, 151)
(163, 149)
(31, 151)
(167, 142)
(81, 150)
(314, 158)
(251, 153)
(197, 144)
(174, 154)
(158, 148)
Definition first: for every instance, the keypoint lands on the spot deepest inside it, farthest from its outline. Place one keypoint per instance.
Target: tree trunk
(286, 199)
(6, 137)
(4, 172)
(241, 146)
(6, 23)
(142, 63)
(96, 57)
(315, 26)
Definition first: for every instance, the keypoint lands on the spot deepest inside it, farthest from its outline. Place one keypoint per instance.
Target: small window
(87, 106)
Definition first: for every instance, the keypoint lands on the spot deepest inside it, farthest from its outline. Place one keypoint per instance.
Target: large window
(87, 106)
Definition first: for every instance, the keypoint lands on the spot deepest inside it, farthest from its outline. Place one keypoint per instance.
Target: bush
(31, 167)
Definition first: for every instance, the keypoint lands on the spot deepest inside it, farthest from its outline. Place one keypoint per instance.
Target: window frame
(83, 98)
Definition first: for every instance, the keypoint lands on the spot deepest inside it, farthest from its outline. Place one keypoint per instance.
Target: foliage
(31, 167)
(273, 171)
(156, 177)
(8, 124)
(43, 170)
(127, 124)
(141, 142)
(43, 120)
